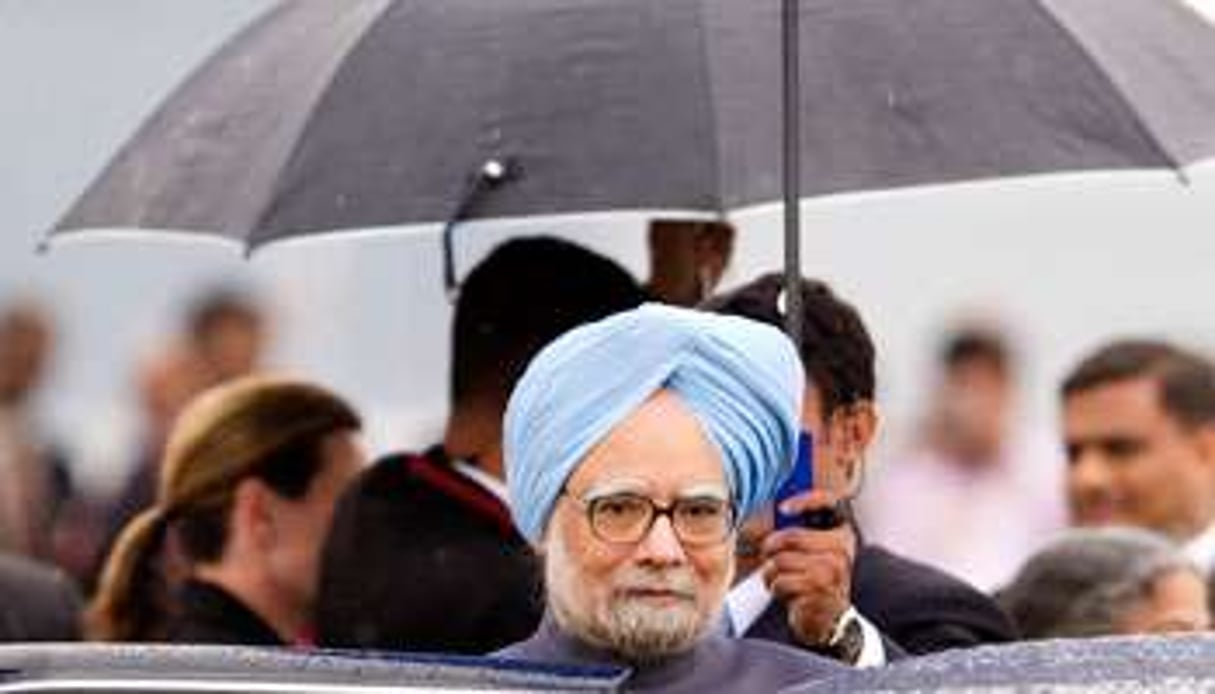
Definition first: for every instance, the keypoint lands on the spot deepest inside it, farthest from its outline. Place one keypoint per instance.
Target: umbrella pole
(491, 174)
(791, 155)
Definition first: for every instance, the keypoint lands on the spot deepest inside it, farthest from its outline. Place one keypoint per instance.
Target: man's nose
(1087, 472)
(661, 546)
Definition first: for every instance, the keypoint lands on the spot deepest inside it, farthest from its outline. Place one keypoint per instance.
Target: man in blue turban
(632, 446)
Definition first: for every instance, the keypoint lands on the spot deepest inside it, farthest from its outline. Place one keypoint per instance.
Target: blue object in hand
(799, 481)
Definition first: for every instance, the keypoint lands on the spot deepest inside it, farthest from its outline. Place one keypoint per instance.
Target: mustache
(678, 581)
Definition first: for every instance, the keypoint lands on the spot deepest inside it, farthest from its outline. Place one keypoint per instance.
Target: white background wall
(1067, 260)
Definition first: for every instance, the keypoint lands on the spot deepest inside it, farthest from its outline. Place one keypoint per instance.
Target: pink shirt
(978, 524)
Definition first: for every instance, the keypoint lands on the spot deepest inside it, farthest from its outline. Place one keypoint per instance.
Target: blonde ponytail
(130, 601)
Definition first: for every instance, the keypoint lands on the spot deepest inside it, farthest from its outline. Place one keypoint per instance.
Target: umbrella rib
(364, 13)
(1140, 121)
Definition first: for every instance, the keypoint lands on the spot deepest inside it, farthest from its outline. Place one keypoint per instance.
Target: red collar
(442, 476)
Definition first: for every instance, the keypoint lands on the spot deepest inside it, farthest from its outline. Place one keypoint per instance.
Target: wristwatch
(847, 639)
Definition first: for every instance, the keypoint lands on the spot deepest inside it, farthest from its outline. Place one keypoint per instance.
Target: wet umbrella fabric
(333, 114)
(1143, 664)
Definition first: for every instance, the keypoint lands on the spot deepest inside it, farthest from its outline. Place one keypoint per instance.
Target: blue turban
(740, 378)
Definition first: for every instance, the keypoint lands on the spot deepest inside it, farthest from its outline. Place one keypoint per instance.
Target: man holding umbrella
(824, 589)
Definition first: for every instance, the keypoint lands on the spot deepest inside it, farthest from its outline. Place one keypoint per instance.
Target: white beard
(628, 625)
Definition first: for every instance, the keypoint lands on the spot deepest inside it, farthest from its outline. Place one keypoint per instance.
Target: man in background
(227, 332)
(688, 258)
(422, 554)
(976, 492)
(825, 589)
(1139, 431)
(35, 479)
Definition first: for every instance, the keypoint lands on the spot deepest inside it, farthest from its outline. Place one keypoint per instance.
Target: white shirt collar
(745, 602)
(1201, 549)
(491, 484)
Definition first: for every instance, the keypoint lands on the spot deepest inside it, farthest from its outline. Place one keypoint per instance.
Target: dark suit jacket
(37, 602)
(919, 609)
(716, 663)
(422, 558)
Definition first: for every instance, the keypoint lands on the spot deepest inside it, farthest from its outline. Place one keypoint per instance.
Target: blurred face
(233, 346)
(1177, 602)
(1131, 463)
(300, 525)
(974, 401)
(166, 384)
(687, 259)
(656, 596)
(25, 346)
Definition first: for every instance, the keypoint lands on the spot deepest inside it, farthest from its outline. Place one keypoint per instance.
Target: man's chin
(644, 647)
(654, 628)
(1100, 516)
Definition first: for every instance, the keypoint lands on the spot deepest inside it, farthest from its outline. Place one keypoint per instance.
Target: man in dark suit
(37, 603)
(422, 554)
(825, 589)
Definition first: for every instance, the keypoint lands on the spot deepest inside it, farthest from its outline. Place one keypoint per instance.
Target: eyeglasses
(626, 518)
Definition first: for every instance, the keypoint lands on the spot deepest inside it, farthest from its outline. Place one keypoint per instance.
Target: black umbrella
(1144, 664)
(331, 114)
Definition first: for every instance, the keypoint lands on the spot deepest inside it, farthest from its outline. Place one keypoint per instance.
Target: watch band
(847, 639)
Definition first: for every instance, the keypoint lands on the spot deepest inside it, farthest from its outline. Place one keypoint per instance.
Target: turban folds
(741, 379)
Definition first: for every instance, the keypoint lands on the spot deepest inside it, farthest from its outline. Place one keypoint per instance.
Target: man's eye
(1072, 452)
(622, 506)
(701, 508)
(1123, 448)
(613, 508)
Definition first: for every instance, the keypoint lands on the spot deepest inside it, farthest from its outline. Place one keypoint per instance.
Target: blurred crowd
(561, 490)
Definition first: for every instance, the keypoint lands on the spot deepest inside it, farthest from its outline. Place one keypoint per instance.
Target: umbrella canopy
(331, 114)
(1143, 664)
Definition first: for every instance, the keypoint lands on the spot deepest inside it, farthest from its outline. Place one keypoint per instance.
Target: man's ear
(857, 429)
(1204, 439)
(252, 515)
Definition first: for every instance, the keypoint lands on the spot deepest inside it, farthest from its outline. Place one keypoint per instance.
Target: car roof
(213, 669)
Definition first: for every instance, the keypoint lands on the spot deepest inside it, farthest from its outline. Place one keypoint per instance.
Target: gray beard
(628, 627)
(644, 635)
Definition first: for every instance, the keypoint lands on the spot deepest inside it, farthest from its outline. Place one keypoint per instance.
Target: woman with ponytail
(229, 551)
